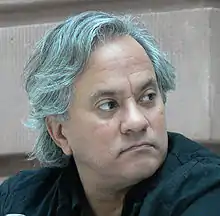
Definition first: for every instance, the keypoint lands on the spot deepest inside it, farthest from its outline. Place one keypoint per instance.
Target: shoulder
(192, 163)
(190, 176)
(26, 183)
(30, 179)
(195, 173)
(187, 150)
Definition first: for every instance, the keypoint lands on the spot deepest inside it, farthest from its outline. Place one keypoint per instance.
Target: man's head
(97, 86)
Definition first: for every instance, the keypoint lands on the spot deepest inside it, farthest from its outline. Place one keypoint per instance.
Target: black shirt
(188, 184)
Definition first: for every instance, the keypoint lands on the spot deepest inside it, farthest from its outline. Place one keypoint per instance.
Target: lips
(137, 146)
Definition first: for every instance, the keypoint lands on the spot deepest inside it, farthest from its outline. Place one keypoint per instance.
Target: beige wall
(215, 75)
(188, 32)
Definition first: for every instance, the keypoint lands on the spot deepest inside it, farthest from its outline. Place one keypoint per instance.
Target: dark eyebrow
(152, 82)
(113, 93)
(103, 93)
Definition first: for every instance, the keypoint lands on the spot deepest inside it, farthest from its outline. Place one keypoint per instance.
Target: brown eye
(108, 105)
(148, 97)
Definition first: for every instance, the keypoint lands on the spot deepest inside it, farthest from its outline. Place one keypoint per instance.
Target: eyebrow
(152, 82)
(113, 92)
(104, 93)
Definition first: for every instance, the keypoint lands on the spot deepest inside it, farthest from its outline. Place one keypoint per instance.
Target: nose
(133, 119)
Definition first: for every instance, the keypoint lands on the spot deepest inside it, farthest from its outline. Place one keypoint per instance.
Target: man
(97, 87)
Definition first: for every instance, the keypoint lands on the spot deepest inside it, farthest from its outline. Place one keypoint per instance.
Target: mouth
(136, 147)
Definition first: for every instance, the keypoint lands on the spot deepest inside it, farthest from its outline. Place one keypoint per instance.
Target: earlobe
(55, 129)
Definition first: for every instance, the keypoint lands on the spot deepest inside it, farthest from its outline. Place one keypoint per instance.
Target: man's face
(117, 128)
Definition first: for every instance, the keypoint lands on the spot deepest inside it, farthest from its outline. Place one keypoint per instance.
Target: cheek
(95, 139)
(93, 131)
(157, 119)
(105, 131)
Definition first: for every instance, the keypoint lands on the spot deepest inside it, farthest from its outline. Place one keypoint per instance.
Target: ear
(55, 129)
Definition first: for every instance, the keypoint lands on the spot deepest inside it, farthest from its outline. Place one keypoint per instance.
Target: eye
(108, 105)
(146, 98)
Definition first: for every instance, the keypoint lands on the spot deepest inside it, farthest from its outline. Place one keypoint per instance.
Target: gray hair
(61, 55)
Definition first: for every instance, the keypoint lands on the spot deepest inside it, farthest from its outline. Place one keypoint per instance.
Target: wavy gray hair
(61, 55)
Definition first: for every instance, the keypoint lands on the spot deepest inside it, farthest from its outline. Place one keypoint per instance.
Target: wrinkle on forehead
(119, 65)
(129, 80)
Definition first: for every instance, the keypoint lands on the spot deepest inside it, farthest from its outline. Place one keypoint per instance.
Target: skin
(117, 129)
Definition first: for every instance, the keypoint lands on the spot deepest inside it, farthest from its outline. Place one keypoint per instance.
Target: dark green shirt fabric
(188, 184)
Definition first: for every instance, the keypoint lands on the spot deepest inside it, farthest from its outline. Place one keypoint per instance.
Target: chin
(144, 169)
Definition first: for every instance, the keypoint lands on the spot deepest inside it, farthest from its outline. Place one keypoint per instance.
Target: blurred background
(188, 31)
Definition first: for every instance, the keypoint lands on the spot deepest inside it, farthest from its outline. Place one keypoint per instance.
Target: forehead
(115, 64)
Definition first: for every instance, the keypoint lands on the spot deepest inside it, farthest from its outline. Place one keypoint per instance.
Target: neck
(103, 199)
(106, 204)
